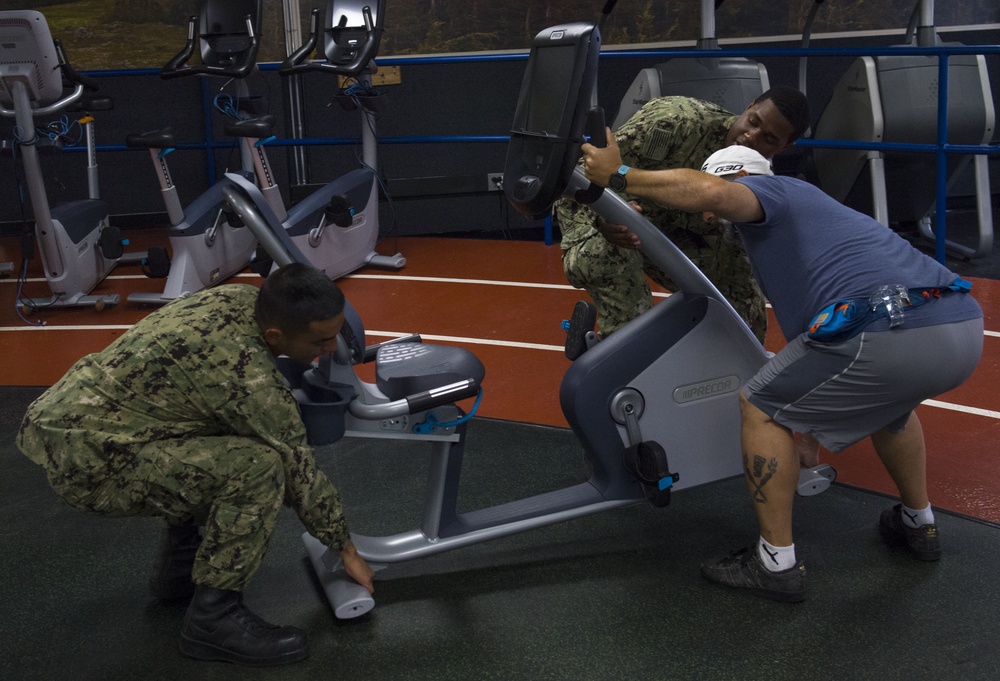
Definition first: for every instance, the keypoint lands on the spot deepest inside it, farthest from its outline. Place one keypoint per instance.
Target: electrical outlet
(494, 182)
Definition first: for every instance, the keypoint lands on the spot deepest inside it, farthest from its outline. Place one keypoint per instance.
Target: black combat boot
(171, 578)
(218, 626)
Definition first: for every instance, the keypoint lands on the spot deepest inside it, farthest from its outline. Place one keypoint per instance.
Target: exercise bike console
(228, 42)
(350, 40)
(551, 115)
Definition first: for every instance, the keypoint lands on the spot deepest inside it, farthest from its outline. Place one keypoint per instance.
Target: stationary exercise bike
(208, 244)
(655, 406)
(77, 244)
(337, 225)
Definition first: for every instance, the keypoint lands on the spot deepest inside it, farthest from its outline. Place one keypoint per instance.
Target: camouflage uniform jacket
(667, 132)
(198, 367)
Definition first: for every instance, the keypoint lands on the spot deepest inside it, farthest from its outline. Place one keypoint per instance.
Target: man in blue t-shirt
(860, 308)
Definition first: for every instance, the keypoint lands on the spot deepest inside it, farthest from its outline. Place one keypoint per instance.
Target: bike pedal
(580, 333)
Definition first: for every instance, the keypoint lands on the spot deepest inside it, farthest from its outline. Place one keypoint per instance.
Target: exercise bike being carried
(639, 402)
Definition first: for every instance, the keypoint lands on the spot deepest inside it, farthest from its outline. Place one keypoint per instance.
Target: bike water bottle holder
(323, 404)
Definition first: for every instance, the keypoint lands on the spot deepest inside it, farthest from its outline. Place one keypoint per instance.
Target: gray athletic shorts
(843, 392)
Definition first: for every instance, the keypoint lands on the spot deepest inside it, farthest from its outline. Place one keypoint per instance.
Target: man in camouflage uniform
(186, 417)
(676, 132)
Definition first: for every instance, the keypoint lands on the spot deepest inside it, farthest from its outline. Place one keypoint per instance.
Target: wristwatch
(617, 180)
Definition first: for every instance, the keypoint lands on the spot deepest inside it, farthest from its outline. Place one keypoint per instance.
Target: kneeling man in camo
(187, 418)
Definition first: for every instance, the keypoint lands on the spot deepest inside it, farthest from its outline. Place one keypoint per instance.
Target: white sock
(776, 558)
(914, 518)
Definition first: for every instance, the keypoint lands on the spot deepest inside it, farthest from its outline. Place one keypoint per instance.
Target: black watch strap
(617, 180)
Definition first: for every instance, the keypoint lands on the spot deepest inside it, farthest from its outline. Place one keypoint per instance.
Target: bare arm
(682, 188)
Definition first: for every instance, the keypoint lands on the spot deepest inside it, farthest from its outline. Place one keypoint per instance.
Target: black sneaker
(743, 570)
(580, 329)
(922, 541)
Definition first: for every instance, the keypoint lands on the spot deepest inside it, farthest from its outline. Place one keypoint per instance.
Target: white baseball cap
(735, 158)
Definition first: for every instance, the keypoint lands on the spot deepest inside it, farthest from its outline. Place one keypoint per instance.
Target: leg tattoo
(758, 477)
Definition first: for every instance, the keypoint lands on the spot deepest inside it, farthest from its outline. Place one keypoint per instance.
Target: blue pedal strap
(430, 423)
(647, 463)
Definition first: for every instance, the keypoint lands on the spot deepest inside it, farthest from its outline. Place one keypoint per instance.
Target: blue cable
(357, 90)
(62, 128)
(430, 423)
(224, 103)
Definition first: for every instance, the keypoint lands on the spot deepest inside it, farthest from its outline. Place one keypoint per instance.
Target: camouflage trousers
(232, 486)
(616, 280)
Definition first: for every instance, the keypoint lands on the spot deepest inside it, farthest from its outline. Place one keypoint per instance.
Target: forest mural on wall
(111, 34)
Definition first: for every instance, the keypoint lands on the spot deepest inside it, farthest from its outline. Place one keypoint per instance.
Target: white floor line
(121, 277)
(480, 282)
(962, 408)
(451, 280)
(470, 341)
(466, 341)
(78, 327)
(441, 280)
(386, 277)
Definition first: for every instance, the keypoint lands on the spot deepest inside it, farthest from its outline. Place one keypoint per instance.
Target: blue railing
(941, 148)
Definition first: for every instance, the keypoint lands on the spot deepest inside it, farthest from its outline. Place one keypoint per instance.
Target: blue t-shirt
(811, 251)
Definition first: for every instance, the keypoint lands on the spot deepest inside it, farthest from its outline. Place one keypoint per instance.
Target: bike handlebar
(241, 68)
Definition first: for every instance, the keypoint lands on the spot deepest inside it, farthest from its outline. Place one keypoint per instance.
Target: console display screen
(27, 54)
(551, 79)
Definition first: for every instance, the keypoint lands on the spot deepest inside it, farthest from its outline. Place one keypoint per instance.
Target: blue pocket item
(841, 320)
(847, 318)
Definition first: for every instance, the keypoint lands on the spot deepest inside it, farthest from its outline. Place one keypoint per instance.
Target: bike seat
(93, 103)
(254, 127)
(403, 369)
(153, 139)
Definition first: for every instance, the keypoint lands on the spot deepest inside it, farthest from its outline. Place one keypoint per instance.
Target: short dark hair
(793, 106)
(296, 295)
